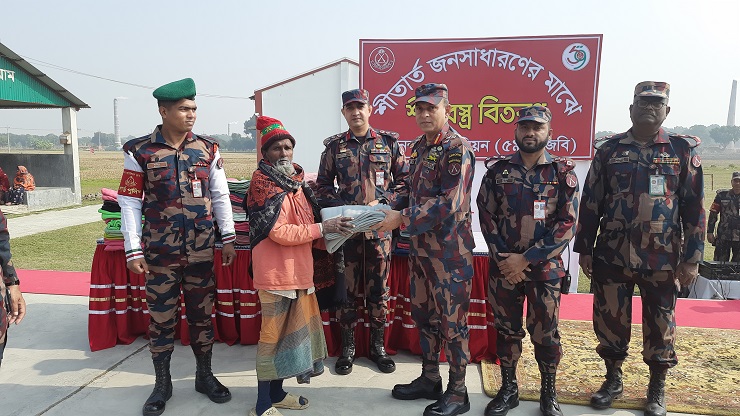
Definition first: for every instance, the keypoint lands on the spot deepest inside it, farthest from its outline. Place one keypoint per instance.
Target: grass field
(73, 247)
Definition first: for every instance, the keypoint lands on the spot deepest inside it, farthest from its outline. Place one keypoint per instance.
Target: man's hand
(17, 305)
(711, 238)
(686, 273)
(137, 266)
(338, 225)
(391, 221)
(586, 262)
(228, 254)
(373, 203)
(515, 278)
(512, 264)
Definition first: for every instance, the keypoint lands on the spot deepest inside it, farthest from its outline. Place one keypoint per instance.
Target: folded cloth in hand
(363, 218)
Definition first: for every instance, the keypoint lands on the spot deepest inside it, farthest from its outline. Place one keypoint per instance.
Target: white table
(715, 289)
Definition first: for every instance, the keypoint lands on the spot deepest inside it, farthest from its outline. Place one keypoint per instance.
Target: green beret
(176, 91)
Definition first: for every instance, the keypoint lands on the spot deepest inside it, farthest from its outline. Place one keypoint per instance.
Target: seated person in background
(282, 230)
(23, 182)
(4, 186)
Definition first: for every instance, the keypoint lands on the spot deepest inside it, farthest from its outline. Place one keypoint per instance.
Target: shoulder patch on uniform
(571, 180)
(693, 141)
(696, 161)
(389, 133)
(491, 161)
(333, 138)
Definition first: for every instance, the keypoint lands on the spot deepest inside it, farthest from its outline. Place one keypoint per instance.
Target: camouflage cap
(653, 89)
(176, 91)
(431, 93)
(536, 113)
(735, 175)
(355, 96)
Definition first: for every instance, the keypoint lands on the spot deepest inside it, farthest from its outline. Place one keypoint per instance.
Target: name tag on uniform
(657, 185)
(197, 188)
(379, 178)
(539, 209)
(156, 165)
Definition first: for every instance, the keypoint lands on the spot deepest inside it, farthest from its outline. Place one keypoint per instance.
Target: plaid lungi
(292, 336)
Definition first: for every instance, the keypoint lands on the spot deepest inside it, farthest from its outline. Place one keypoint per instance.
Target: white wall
(309, 108)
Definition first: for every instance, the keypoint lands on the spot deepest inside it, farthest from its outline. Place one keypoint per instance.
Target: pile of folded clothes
(363, 218)
(111, 214)
(237, 192)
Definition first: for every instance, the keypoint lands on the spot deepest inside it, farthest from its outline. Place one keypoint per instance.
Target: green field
(73, 247)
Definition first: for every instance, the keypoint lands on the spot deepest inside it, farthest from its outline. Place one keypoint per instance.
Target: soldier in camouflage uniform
(12, 304)
(441, 251)
(176, 180)
(726, 205)
(369, 168)
(527, 205)
(645, 193)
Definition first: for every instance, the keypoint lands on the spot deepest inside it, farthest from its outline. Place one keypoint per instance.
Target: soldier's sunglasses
(656, 105)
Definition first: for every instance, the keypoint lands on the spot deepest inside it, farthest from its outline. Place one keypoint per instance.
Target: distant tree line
(713, 135)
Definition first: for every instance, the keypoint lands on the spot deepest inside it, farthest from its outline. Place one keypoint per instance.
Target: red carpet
(700, 313)
(52, 282)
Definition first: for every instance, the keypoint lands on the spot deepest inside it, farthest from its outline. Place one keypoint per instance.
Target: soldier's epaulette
(693, 141)
(455, 141)
(495, 159)
(133, 142)
(719, 191)
(602, 140)
(564, 164)
(389, 133)
(332, 138)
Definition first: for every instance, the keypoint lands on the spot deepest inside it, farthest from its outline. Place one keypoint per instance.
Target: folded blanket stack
(238, 191)
(111, 214)
(363, 218)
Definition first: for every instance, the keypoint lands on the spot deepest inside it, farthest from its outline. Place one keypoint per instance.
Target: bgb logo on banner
(489, 80)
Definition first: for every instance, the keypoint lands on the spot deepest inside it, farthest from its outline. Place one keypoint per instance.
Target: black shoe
(507, 397)
(206, 382)
(656, 393)
(343, 366)
(377, 351)
(162, 392)
(450, 404)
(611, 389)
(420, 388)
(549, 405)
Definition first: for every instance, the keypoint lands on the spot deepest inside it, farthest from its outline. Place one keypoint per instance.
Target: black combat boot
(507, 397)
(656, 393)
(421, 387)
(206, 382)
(162, 392)
(343, 365)
(377, 351)
(548, 398)
(453, 402)
(611, 388)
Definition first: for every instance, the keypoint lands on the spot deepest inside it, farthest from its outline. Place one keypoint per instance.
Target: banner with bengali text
(489, 80)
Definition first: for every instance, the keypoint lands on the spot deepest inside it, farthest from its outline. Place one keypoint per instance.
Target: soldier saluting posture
(644, 194)
(527, 206)
(176, 180)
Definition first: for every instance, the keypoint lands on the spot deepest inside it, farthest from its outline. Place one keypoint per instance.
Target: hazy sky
(232, 48)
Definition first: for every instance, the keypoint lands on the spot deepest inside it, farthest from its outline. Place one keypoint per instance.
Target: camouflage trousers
(163, 285)
(440, 299)
(723, 248)
(543, 310)
(3, 317)
(613, 289)
(367, 263)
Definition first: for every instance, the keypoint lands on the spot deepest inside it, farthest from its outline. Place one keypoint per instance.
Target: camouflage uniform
(440, 250)
(640, 239)
(8, 278)
(183, 189)
(726, 205)
(359, 165)
(532, 212)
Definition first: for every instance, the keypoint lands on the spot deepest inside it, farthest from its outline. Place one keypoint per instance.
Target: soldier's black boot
(421, 387)
(453, 402)
(206, 382)
(162, 392)
(377, 351)
(507, 397)
(343, 365)
(611, 388)
(656, 393)
(548, 398)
